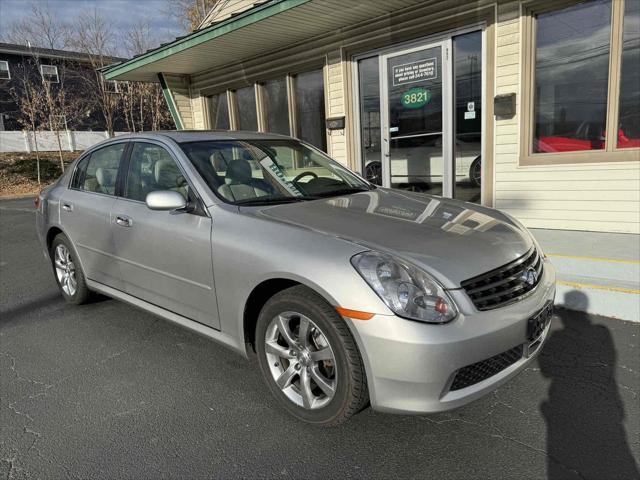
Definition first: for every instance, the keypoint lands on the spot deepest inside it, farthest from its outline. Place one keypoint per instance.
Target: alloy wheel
(301, 360)
(65, 270)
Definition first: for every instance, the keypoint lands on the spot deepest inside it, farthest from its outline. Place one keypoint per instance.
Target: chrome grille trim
(504, 285)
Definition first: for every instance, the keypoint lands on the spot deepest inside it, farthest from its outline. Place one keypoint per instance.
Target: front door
(421, 116)
(415, 116)
(164, 257)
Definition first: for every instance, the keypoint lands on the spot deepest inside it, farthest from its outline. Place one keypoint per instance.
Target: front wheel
(309, 358)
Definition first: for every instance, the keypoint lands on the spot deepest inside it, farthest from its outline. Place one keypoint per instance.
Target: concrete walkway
(597, 272)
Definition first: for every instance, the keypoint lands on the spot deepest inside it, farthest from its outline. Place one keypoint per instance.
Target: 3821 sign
(415, 98)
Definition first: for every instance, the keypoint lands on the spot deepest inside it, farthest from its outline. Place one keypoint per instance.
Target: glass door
(416, 119)
(420, 116)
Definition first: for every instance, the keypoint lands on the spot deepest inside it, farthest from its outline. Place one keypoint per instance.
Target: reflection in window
(369, 89)
(247, 115)
(275, 102)
(310, 118)
(467, 72)
(629, 123)
(219, 111)
(571, 77)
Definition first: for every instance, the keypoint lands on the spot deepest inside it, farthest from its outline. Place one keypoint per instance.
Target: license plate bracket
(537, 324)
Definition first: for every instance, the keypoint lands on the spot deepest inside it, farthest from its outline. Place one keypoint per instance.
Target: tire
(373, 172)
(68, 271)
(475, 172)
(327, 335)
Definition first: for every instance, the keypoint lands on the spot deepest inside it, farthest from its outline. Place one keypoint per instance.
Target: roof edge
(236, 22)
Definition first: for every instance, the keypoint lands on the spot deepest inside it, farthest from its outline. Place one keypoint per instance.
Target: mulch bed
(19, 174)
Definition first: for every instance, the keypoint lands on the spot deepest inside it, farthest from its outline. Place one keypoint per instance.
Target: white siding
(594, 196)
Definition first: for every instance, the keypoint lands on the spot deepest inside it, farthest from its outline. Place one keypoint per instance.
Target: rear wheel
(68, 272)
(309, 359)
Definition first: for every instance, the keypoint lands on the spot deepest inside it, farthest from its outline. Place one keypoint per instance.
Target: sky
(123, 13)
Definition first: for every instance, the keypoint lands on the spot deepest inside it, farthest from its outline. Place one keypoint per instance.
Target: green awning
(267, 27)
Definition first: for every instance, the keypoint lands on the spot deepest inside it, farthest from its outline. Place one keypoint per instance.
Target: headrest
(238, 171)
(105, 177)
(166, 173)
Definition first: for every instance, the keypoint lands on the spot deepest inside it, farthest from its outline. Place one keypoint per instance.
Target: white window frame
(55, 67)
(6, 63)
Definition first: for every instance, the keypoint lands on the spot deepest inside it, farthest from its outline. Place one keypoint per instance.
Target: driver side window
(152, 168)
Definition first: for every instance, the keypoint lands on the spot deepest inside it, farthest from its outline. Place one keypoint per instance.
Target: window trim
(42, 74)
(611, 152)
(6, 62)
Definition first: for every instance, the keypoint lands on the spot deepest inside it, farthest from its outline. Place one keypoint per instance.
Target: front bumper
(411, 365)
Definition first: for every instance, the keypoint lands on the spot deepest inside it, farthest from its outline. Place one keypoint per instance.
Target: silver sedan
(348, 294)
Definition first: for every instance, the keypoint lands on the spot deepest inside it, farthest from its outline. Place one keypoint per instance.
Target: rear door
(164, 256)
(85, 212)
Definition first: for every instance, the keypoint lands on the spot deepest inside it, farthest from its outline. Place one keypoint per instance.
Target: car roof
(185, 136)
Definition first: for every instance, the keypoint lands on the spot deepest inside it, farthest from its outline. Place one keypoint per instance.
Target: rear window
(98, 172)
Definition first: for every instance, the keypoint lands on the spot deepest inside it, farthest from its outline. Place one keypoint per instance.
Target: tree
(190, 13)
(40, 28)
(93, 35)
(28, 95)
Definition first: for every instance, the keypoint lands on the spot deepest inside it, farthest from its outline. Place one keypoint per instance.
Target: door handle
(123, 221)
(67, 207)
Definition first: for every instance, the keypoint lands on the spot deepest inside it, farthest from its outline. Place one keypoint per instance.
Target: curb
(18, 196)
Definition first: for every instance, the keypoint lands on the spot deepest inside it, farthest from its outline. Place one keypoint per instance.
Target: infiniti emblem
(529, 276)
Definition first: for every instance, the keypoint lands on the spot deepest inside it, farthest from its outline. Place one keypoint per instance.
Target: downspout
(171, 103)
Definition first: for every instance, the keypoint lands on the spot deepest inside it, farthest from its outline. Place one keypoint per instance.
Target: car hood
(451, 239)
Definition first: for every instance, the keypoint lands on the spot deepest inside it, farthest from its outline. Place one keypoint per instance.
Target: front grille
(505, 284)
(477, 372)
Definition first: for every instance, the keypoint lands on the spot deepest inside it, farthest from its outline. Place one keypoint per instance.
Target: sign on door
(415, 72)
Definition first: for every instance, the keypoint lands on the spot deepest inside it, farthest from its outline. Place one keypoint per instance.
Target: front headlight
(405, 289)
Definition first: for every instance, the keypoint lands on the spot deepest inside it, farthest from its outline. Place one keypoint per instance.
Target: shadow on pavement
(584, 412)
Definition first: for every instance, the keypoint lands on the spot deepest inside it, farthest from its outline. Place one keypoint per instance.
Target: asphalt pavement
(108, 391)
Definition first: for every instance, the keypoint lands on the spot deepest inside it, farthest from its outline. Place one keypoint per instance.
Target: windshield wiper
(271, 200)
(344, 191)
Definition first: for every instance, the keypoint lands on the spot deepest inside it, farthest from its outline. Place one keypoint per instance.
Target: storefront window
(369, 90)
(571, 77)
(219, 111)
(276, 106)
(310, 114)
(246, 103)
(629, 118)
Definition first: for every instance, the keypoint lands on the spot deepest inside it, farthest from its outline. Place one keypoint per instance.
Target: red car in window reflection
(581, 142)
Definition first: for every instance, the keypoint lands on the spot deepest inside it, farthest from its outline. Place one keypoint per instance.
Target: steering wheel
(304, 174)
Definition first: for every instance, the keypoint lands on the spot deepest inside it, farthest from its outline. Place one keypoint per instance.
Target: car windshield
(260, 172)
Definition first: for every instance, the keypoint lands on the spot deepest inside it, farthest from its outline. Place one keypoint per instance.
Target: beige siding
(599, 197)
(335, 103)
(179, 87)
(225, 8)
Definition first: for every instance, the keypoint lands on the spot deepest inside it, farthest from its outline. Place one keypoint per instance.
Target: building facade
(531, 107)
(21, 64)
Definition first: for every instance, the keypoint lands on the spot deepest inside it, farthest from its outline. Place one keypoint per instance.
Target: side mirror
(165, 200)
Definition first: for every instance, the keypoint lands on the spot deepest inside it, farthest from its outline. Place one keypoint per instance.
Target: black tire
(351, 393)
(82, 293)
(475, 172)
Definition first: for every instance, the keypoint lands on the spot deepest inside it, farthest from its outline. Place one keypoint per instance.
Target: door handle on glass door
(123, 221)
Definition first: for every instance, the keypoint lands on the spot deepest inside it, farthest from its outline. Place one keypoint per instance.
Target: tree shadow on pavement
(584, 412)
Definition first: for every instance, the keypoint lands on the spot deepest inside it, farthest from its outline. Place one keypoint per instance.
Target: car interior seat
(239, 184)
(168, 176)
(106, 180)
